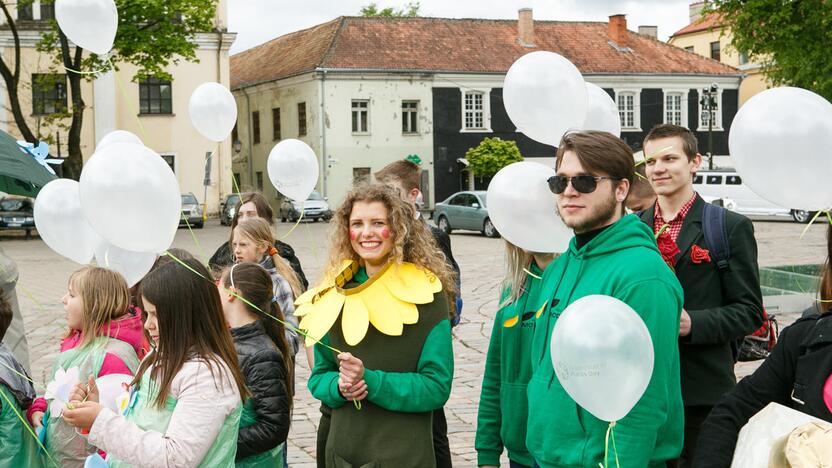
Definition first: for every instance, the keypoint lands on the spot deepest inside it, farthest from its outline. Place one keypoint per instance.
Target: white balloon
(523, 209)
(213, 111)
(544, 95)
(60, 223)
(133, 266)
(602, 354)
(119, 136)
(90, 24)
(131, 198)
(780, 142)
(601, 113)
(293, 169)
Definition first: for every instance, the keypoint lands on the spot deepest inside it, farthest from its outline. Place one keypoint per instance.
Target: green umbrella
(20, 173)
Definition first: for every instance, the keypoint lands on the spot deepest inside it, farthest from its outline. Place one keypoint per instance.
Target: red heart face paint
(385, 233)
(354, 233)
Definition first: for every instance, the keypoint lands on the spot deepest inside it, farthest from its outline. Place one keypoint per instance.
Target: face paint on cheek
(354, 234)
(385, 233)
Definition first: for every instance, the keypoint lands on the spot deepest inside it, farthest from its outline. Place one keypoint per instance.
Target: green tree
(790, 38)
(152, 35)
(491, 155)
(410, 9)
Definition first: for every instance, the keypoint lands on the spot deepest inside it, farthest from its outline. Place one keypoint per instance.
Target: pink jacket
(128, 329)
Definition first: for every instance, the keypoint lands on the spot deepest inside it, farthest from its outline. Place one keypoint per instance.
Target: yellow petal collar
(387, 300)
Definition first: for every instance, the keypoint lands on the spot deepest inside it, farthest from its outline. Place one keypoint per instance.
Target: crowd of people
(210, 350)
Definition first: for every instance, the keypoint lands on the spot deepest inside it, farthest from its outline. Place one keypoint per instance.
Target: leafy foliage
(491, 155)
(410, 9)
(790, 38)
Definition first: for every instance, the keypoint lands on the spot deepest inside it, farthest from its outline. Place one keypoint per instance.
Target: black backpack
(759, 344)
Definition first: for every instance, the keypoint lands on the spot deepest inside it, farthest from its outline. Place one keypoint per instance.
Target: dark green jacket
(723, 307)
(622, 262)
(407, 377)
(503, 409)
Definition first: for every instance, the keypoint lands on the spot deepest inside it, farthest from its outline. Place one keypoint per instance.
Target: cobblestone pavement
(43, 276)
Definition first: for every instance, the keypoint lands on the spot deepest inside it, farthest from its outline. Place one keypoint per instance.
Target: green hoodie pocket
(514, 411)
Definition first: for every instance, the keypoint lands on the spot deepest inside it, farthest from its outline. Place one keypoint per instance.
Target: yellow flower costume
(387, 300)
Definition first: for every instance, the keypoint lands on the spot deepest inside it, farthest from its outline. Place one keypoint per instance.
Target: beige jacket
(203, 404)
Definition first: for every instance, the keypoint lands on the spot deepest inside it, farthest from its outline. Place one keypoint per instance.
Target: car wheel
(199, 226)
(314, 220)
(28, 234)
(443, 225)
(488, 229)
(802, 216)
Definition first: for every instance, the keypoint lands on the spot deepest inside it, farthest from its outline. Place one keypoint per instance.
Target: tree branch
(13, 27)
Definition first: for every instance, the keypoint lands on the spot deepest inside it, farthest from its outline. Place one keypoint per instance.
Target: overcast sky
(258, 21)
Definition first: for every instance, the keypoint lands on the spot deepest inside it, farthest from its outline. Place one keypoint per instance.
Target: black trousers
(694, 418)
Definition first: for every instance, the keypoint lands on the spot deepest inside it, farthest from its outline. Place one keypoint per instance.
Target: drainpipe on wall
(250, 142)
(324, 157)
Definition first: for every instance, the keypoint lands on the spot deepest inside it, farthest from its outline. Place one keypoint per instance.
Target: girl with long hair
(185, 401)
(382, 314)
(104, 337)
(265, 361)
(253, 242)
(501, 418)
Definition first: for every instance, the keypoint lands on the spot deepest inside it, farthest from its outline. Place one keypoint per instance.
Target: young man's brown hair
(406, 172)
(5, 314)
(599, 153)
(689, 144)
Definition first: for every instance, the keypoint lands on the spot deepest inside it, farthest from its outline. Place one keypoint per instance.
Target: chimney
(695, 11)
(618, 30)
(650, 31)
(525, 27)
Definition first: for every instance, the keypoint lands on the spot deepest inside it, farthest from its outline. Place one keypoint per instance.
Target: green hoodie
(622, 262)
(501, 418)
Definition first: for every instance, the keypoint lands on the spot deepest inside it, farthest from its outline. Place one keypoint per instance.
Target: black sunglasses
(581, 183)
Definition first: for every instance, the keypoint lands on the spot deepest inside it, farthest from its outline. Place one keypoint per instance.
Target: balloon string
(302, 211)
(29, 429)
(93, 72)
(531, 274)
(812, 221)
(126, 98)
(284, 323)
(193, 235)
(662, 230)
(610, 435)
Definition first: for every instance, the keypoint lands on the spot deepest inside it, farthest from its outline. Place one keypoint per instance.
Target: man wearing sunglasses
(614, 255)
(722, 303)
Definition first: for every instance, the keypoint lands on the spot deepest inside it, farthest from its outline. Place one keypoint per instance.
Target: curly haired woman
(385, 305)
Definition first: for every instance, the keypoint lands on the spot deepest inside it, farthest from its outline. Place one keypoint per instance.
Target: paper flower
(59, 388)
(387, 301)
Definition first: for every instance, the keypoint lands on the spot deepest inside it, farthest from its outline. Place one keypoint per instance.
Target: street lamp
(708, 103)
(238, 146)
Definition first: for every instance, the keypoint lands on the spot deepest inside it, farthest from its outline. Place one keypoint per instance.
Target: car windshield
(315, 196)
(12, 204)
(189, 200)
(484, 201)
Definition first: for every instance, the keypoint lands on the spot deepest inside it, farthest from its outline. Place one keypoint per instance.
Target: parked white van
(727, 185)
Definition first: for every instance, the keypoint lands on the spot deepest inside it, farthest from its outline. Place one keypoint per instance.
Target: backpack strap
(716, 235)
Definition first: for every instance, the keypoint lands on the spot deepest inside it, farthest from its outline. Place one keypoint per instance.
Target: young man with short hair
(405, 176)
(722, 304)
(614, 255)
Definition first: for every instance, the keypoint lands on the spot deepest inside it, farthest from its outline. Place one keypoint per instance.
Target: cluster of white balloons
(123, 212)
(545, 96)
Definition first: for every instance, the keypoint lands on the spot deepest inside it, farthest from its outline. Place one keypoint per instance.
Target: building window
(276, 124)
(47, 11)
(155, 97)
(360, 116)
(259, 176)
(255, 126)
(474, 111)
(301, 118)
(170, 159)
(673, 103)
(24, 11)
(235, 135)
(743, 58)
(360, 175)
(628, 109)
(410, 116)
(705, 115)
(48, 94)
(689, 48)
(715, 50)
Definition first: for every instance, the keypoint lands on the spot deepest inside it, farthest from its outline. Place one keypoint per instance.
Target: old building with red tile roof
(366, 91)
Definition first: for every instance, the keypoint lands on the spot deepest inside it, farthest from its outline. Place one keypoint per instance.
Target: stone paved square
(43, 276)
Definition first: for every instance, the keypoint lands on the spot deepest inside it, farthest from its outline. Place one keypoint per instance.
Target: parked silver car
(191, 211)
(464, 210)
(315, 207)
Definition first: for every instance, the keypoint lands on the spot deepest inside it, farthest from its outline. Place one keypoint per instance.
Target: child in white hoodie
(185, 404)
